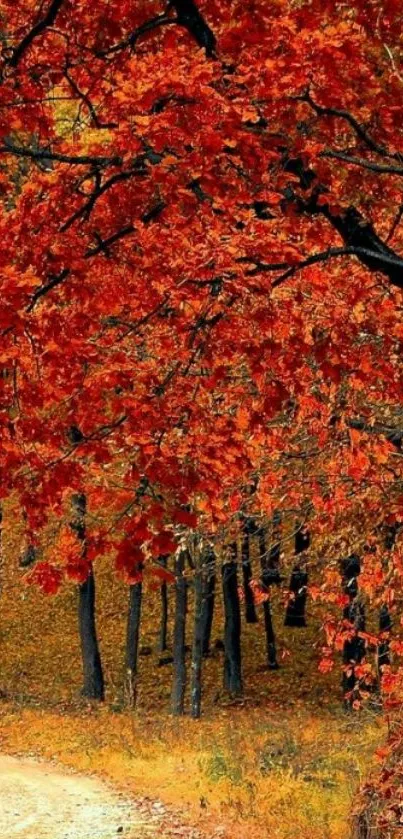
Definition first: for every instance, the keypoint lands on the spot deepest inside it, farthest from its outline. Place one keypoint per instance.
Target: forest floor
(284, 762)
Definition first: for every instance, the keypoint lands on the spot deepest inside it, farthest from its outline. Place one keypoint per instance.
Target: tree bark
(250, 611)
(132, 638)
(93, 685)
(354, 614)
(208, 601)
(232, 629)
(295, 612)
(385, 626)
(197, 648)
(163, 640)
(353, 650)
(179, 662)
(270, 574)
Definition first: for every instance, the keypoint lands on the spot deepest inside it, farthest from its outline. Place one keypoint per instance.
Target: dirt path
(38, 801)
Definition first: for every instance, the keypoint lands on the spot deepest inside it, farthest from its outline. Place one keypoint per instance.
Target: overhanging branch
(37, 29)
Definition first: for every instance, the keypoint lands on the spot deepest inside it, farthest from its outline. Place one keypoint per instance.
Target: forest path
(38, 801)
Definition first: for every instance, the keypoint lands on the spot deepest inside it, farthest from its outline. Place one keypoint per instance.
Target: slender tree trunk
(163, 640)
(132, 639)
(93, 686)
(179, 651)
(390, 533)
(208, 601)
(29, 554)
(295, 612)
(354, 614)
(197, 649)
(267, 578)
(203, 615)
(353, 650)
(250, 611)
(385, 626)
(232, 630)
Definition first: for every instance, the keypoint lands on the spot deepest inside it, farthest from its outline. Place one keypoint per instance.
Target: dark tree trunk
(93, 686)
(197, 648)
(132, 638)
(272, 662)
(385, 626)
(29, 554)
(179, 650)
(270, 574)
(250, 611)
(163, 640)
(295, 612)
(353, 650)
(207, 610)
(302, 540)
(232, 629)
(354, 614)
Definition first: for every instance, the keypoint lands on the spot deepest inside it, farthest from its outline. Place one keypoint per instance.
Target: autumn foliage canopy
(200, 271)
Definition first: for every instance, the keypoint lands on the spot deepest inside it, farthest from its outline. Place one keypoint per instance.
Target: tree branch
(45, 154)
(130, 41)
(36, 30)
(87, 101)
(187, 15)
(53, 282)
(393, 435)
(365, 164)
(352, 121)
(356, 232)
(323, 256)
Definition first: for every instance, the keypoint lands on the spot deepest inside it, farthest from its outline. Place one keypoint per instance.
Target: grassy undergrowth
(284, 763)
(278, 775)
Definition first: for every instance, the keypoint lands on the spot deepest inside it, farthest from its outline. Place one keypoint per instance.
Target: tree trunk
(385, 626)
(208, 601)
(197, 649)
(302, 540)
(269, 575)
(250, 611)
(132, 639)
(163, 640)
(232, 629)
(295, 612)
(354, 614)
(179, 662)
(93, 686)
(353, 650)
